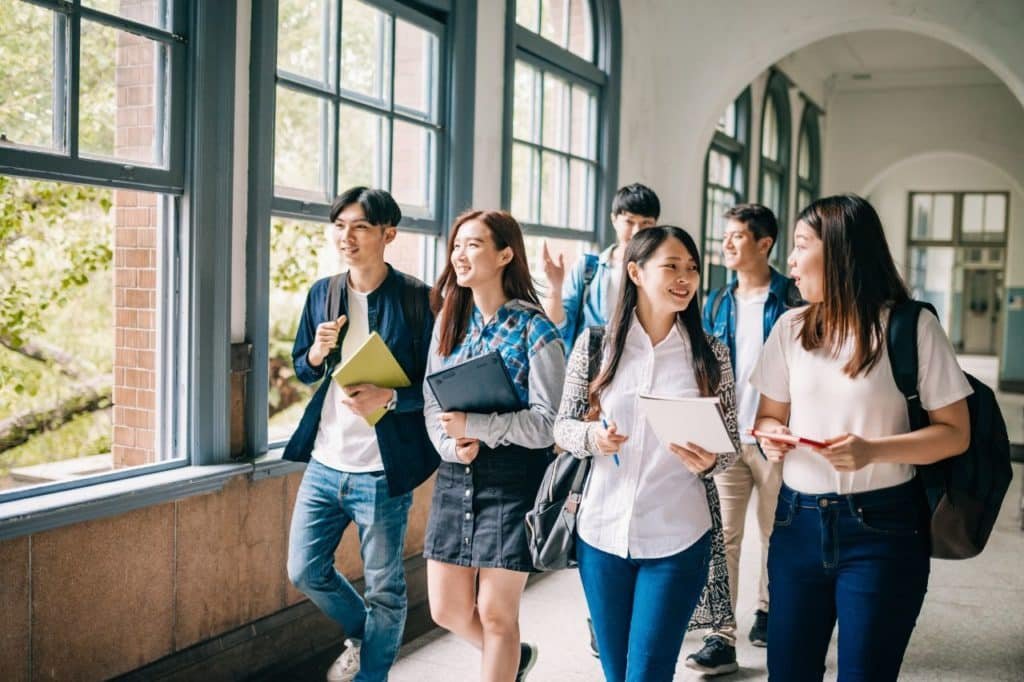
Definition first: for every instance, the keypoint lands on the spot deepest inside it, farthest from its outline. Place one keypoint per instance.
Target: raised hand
(325, 341)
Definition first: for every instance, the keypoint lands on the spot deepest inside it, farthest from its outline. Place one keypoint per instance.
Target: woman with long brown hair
(850, 541)
(492, 464)
(649, 526)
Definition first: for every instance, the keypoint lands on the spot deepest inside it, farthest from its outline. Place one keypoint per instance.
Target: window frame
(809, 124)
(777, 92)
(738, 150)
(600, 76)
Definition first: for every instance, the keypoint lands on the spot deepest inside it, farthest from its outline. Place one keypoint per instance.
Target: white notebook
(683, 420)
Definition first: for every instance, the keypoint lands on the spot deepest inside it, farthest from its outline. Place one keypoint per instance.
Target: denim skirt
(478, 510)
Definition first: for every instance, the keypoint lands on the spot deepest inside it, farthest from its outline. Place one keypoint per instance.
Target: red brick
(136, 298)
(123, 435)
(146, 400)
(127, 397)
(147, 237)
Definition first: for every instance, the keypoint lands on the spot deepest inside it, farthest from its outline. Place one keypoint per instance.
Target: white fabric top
(650, 506)
(749, 340)
(344, 440)
(825, 402)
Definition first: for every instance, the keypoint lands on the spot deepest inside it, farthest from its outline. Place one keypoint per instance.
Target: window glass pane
(995, 214)
(581, 195)
(803, 199)
(973, 215)
(415, 69)
(553, 21)
(556, 113)
(151, 12)
(412, 162)
(365, 50)
(525, 171)
(301, 141)
(80, 368)
(27, 76)
(584, 122)
(362, 149)
(804, 160)
(121, 95)
(581, 29)
(553, 180)
(930, 280)
(528, 14)
(719, 168)
(771, 194)
(727, 123)
(770, 131)
(300, 253)
(524, 103)
(306, 31)
(942, 219)
(921, 213)
(570, 249)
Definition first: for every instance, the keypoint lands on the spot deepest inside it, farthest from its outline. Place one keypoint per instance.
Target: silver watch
(393, 403)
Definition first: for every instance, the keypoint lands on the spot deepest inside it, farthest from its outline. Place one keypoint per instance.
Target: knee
(305, 576)
(453, 617)
(496, 620)
(389, 594)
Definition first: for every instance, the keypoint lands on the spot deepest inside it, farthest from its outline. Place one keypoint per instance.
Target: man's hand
(365, 399)
(466, 449)
(694, 457)
(555, 272)
(454, 424)
(848, 452)
(325, 341)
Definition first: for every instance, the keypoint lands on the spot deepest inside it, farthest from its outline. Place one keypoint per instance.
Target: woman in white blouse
(649, 522)
(850, 540)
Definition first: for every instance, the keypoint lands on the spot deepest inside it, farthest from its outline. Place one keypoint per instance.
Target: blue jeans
(641, 608)
(861, 559)
(328, 500)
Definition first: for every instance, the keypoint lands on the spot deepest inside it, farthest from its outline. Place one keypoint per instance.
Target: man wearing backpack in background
(741, 315)
(358, 473)
(586, 298)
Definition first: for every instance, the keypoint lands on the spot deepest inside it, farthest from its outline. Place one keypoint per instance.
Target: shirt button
(468, 492)
(469, 515)
(468, 470)
(466, 540)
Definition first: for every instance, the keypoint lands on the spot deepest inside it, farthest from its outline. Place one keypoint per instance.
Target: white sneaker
(344, 669)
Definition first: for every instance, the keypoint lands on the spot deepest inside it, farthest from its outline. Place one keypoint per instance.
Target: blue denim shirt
(409, 457)
(782, 296)
(594, 303)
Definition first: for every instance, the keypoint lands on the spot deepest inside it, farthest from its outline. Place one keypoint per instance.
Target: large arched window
(808, 163)
(725, 182)
(561, 106)
(775, 144)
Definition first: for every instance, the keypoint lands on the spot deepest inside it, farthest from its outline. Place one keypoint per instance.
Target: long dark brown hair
(639, 250)
(860, 279)
(453, 304)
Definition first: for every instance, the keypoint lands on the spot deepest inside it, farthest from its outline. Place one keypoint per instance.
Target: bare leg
(452, 593)
(498, 605)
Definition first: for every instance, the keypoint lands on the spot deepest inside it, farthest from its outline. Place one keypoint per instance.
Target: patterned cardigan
(573, 434)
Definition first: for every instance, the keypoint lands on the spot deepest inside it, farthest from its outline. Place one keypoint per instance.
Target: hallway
(971, 628)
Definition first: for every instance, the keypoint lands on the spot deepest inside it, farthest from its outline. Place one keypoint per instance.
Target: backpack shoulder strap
(589, 272)
(596, 339)
(793, 297)
(715, 300)
(333, 308)
(414, 310)
(901, 342)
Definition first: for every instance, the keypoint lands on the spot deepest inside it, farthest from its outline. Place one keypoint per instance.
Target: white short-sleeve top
(825, 402)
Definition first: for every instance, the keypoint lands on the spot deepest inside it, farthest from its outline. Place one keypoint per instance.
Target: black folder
(480, 385)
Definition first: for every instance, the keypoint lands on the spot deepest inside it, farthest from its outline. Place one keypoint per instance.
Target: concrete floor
(971, 627)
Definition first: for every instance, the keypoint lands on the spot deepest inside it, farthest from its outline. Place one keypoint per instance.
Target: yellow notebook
(372, 363)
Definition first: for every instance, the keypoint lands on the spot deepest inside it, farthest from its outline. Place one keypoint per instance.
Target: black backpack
(964, 492)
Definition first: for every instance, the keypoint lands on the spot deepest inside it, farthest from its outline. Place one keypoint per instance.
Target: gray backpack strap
(414, 309)
(332, 311)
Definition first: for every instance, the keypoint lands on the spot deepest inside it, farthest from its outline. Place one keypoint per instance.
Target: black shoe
(716, 658)
(527, 659)
(593, 639)
(759, 631)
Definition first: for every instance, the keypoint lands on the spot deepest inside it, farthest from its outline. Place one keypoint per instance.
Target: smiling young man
(741, 315)
(358, 473)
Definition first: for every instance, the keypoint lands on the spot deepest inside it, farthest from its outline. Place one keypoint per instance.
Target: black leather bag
(551, 524)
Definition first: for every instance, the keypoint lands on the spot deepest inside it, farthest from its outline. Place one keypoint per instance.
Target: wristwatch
(393, 403)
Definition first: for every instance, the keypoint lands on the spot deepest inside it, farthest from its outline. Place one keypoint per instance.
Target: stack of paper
(687, 420)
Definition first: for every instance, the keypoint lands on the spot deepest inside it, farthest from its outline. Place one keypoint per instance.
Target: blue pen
(615, 455)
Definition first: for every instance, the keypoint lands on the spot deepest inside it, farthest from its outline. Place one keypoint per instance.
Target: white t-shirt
(749, 340)
(344, 440)
(650, 506)
(825, 402)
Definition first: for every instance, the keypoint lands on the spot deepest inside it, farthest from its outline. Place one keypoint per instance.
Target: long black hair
(639, 250)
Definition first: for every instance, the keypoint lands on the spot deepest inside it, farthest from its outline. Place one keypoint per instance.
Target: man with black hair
(360, 470)
(741, 315)
(587, 297)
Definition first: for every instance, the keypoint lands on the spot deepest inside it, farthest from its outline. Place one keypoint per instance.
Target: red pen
(790, 438)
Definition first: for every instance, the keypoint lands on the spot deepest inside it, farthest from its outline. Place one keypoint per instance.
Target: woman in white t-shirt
(850, 540)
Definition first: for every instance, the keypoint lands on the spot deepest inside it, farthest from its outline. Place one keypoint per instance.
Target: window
(808, 166)
(359, 100)
(775, 144)
(92, 139)
(725, 180)
(556, 179)
(956, 259)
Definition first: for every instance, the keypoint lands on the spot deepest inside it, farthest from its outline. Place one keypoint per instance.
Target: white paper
(687, 420)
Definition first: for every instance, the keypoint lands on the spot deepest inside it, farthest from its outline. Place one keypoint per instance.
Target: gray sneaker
(345, 668)
(527, 659)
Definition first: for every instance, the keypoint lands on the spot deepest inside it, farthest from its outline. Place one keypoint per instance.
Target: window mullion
(335, 150)
(61, 61)
(74, 78)
(392, 33)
